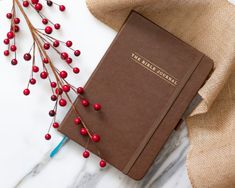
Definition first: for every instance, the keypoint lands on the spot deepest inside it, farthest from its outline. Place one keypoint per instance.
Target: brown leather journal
(145, 82)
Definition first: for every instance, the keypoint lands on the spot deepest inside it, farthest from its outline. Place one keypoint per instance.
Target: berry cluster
(42, 43)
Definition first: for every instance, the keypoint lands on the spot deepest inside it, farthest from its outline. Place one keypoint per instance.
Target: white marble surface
(24, 157)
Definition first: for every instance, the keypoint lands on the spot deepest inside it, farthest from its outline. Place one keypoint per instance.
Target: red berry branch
(42, 43)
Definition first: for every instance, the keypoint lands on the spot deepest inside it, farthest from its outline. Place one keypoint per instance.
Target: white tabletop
(24, 158)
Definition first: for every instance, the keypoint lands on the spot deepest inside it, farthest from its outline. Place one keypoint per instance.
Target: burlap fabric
(209, 26)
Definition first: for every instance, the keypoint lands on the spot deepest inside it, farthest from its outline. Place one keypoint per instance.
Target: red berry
(83, 131)
(77, 121)
(38, 6)
(13, 48)
(16, 28)
(59, 91)
(34, 1)
(9, 15)
(6, 41)
(48, 29)
(76, 70)
(49, 3)
(64, 55)
(46, 46)
(48, 136)
(32, 81)
(62, 8)
(14, 61)
(45, 21)
(6, 53)
(26, 92)
(80, 90)
(77, 52)
(44, 75)
(85, 102)
(97, 106)
(53, 84)
(27, 57)
(56, 125)
(69, 60)
(52, 113)
(25, 3)
(45, 60)
(57, 26)
(69, 43)
(95, 138)
(86, 154)
(62, 102)
(56, 43)
(63, 74)
(102, 163)
(53, 97)
(66, 88)
(10, 35)
(35, 68)
(16, 20)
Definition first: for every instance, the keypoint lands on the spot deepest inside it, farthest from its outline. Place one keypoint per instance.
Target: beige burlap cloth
(209, 26)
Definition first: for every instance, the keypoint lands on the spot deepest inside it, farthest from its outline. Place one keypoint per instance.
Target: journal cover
(145, 82)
